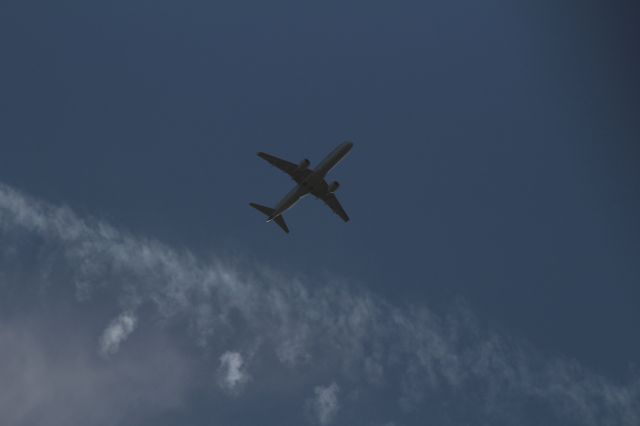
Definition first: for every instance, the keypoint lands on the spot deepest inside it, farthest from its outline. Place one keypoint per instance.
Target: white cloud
(328, 328)
(231, 373)
(324, 405)
(116, 333)
(51, 376)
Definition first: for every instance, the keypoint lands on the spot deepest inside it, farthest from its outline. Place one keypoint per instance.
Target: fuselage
(313, 182)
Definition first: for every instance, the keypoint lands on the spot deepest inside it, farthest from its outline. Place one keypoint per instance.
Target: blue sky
(490, 271)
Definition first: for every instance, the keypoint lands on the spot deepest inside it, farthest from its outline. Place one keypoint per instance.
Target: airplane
(309, 181)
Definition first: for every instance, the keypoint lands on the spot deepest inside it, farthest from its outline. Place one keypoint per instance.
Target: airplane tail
(267, 211)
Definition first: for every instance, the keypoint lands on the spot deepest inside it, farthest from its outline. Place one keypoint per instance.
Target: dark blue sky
(495, 161)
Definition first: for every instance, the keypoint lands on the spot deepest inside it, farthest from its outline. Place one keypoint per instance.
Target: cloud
(119, 329)
(231, 373)
(298, 330)
(324, 404)
(50, 375)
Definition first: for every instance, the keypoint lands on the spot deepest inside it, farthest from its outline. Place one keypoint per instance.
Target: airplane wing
(334, 204)
(284, 165)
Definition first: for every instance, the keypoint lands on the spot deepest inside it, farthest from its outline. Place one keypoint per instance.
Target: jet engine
(333, 186)
(304, 164)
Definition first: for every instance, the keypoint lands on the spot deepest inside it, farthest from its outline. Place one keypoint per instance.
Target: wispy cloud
(119, 329)
(51, 376)
(324, 404)
(296, 324)
(232, 374)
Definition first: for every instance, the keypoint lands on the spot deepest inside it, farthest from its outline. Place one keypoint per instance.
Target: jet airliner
(308, 181)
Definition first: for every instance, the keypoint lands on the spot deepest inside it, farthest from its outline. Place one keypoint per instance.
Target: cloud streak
(232, 374)
(287, 323)
(325, 405)
(119, 329)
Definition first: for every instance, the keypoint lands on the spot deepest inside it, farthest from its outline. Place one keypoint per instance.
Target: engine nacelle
(333, 186)
(304, 164)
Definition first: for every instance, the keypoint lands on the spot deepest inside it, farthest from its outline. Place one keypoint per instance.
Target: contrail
(252, 314)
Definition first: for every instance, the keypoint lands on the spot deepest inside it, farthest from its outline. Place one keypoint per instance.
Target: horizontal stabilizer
(281, 223)
(267, 211)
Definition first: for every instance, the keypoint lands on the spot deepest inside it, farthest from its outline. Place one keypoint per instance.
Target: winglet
(267, 211)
